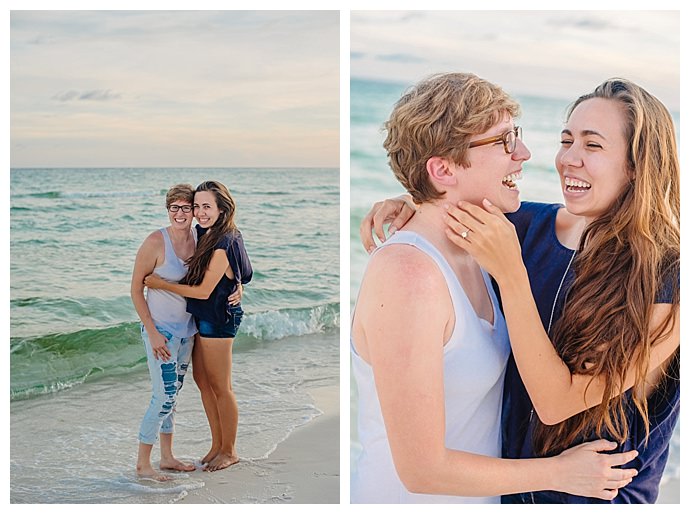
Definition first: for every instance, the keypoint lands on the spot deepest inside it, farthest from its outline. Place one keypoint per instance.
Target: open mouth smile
(573, 185)
(509, 180)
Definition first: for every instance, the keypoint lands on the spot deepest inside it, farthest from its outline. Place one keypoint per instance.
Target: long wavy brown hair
(198, 263)
(623, 258)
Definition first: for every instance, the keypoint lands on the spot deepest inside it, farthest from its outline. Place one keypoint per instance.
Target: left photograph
(174, 257)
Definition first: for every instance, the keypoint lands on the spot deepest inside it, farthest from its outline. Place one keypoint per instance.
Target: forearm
(217, 268)
(548, 380)
(200, 292)
(465, 474)
(142, 309)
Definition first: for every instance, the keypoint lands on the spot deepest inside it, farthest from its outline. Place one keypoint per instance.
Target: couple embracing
(191, 312)
(520, 352)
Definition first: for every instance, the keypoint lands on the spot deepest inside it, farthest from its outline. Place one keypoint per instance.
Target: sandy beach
(304, 468)
(80, 445)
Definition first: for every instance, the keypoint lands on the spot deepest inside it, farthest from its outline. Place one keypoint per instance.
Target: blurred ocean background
(371, 180)
(79, 383)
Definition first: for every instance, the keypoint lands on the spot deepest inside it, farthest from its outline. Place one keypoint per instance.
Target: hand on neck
(429, 222)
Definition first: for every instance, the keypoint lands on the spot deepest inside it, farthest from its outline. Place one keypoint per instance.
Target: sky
(166, 88)
(560, 54)
(261, 88)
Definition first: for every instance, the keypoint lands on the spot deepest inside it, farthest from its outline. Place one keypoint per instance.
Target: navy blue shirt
(546, 260)
(214, 309)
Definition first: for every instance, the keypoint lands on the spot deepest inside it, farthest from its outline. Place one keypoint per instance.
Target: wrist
(513, 278)
(150, 328)
(554, 472)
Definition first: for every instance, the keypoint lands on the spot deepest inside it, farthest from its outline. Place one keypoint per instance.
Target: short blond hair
(179, 192)
(438, 117)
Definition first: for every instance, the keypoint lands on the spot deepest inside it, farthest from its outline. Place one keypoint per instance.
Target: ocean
(371, 180)
(79, 384)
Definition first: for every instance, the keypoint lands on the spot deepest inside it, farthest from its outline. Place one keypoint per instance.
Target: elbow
(199, 292)
(416, 484)
(203, 295)
(136, 292)
(549, 415)
(413, 481)
(418, 476)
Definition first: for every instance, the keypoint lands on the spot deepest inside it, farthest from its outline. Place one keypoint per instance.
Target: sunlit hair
(437, 118)
(623, 258)
(199, 262)
(184, 192)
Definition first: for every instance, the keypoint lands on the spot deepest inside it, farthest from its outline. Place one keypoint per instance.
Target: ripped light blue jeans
(166, 380)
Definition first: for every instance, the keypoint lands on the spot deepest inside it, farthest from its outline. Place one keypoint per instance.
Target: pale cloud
(94, 94)
(553, 53)
(143, 80)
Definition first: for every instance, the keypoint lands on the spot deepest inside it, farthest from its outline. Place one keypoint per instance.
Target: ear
(441, 171)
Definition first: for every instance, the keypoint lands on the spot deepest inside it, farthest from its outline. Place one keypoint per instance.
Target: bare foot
(210, 455)
(149, 473)
(222, 461)
(172, 464)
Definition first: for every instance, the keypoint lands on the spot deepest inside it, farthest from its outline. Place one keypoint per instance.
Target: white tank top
(474, 363)
(169, 310)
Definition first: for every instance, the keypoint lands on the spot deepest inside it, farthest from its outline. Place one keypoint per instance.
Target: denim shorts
(229, 330)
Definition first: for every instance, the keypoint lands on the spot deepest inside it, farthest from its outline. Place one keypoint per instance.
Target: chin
(511, 208)
(575, 208)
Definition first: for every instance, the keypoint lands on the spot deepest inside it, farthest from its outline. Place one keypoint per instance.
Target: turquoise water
(74, 235)
(76, 355)
(372, 180)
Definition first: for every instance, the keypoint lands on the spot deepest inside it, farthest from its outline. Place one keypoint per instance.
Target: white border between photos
(345, 7)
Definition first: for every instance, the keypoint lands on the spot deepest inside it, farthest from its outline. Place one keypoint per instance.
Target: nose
(521, 152)
(568, 156)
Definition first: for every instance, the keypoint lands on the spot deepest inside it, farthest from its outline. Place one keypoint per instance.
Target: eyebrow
(586, 132)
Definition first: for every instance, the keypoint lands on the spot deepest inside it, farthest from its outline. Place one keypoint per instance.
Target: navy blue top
(546, 260)
(214, 309)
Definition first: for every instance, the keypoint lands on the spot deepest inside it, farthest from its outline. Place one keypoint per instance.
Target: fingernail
(371, 249)
(487, 202)
(446, 206)
(392, 230)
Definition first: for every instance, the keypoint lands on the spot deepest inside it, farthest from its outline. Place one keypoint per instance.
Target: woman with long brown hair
(216, 270)
(599, 278)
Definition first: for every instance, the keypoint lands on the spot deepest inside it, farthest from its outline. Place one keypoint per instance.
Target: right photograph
(514, 257)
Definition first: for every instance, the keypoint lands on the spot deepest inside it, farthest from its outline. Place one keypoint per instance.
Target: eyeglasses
(184, 208)
(508, 138)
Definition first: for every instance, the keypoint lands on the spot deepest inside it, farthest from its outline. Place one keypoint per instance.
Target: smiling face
(592, 160)
(493, 172)
(206, 209)
(180, 219)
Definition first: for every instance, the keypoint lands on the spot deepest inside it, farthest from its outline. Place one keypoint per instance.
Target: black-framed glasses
(184, 208)
(508, 138)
